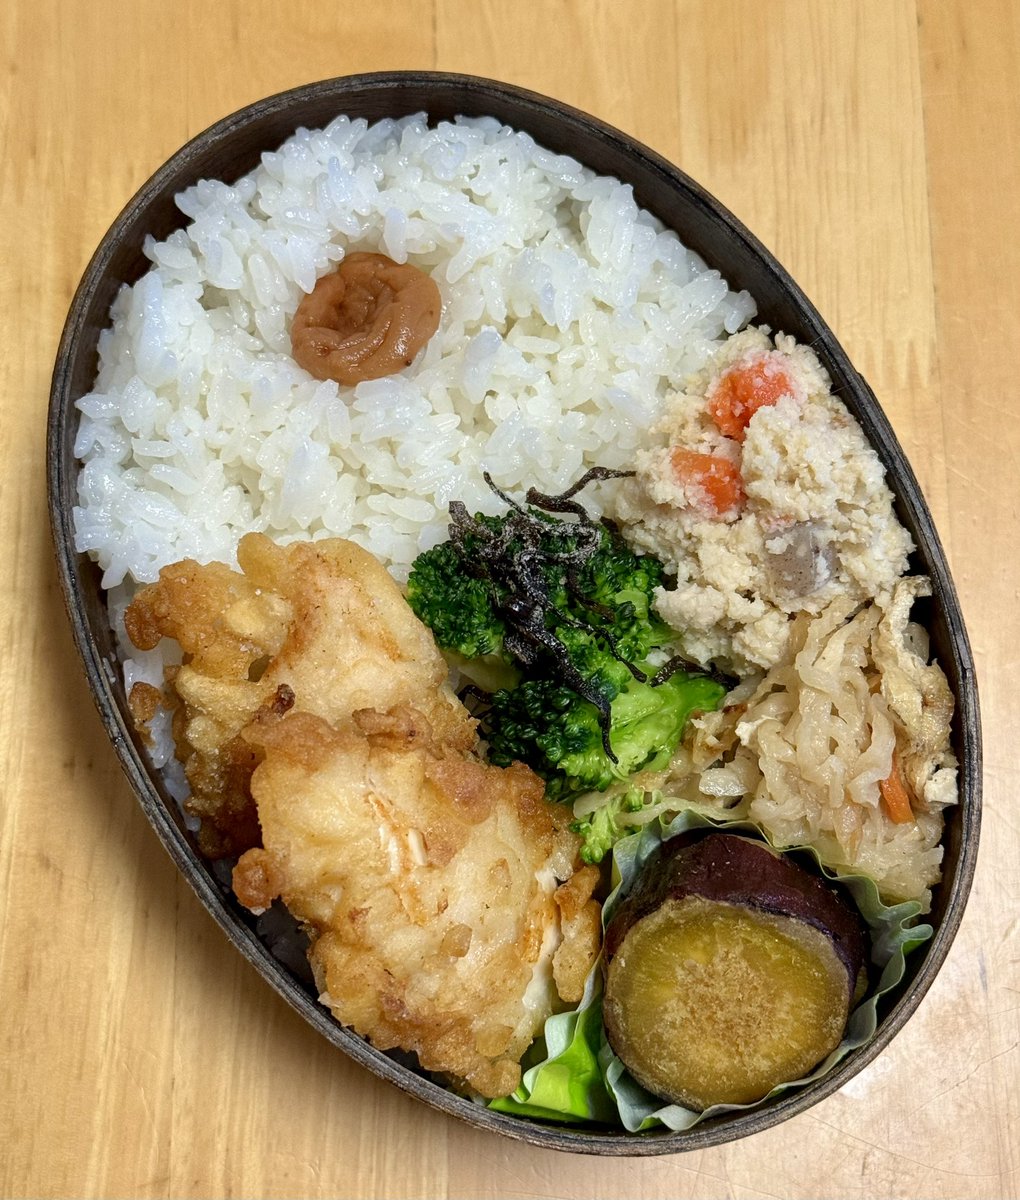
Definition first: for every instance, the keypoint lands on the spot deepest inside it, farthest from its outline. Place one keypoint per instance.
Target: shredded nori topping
(513, 554)
(679, 663)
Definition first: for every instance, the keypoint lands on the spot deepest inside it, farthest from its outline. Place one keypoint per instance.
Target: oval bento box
(230, 149)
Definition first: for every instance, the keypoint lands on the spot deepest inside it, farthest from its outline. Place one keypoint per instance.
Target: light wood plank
(972, 114)
(872, 146)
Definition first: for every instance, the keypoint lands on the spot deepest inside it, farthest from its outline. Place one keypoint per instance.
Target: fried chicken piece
(427, 881)
(314, 714)
(580, 932)
(287, 619)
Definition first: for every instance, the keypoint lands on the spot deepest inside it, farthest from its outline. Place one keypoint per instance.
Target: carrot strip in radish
(895, 797)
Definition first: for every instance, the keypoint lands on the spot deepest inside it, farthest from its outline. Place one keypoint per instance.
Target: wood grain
(873, 147)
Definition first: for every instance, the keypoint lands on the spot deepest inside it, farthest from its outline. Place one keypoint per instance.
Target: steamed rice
(567, 311)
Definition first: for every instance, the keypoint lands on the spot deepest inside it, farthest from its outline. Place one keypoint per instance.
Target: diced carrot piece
(895, 796)
(742, 390)
(712, 484)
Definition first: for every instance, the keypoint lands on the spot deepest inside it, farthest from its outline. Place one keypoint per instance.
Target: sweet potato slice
(730, 970)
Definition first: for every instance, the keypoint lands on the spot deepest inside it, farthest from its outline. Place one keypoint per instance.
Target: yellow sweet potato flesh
(709, 1002)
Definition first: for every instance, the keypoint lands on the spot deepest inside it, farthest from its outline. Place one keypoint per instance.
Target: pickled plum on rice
(366, 320)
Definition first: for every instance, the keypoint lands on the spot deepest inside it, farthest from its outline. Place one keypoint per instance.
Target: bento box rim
(447, 94)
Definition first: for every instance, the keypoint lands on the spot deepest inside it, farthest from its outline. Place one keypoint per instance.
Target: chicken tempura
(323, 619)
(427, 880)
(442, 895)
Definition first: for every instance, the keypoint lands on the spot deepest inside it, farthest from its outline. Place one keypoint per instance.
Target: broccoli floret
(455, 605)
(558, 597)
(546, 725)
(621, 584)
(605, 675)
(603, 828)
(569, 606)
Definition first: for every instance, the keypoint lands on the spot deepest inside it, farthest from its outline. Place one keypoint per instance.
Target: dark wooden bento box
(230, 149)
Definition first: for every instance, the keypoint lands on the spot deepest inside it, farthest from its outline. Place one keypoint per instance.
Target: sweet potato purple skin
(737, 870)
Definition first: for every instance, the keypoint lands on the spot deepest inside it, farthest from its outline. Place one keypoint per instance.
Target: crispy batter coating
(287, 619)
(440, 894)
(427, 880)
(581, 930)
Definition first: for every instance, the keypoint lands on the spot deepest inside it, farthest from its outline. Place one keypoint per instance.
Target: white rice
(568, 315)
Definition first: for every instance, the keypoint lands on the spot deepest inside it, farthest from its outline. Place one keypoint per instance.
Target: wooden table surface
(875, 148)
